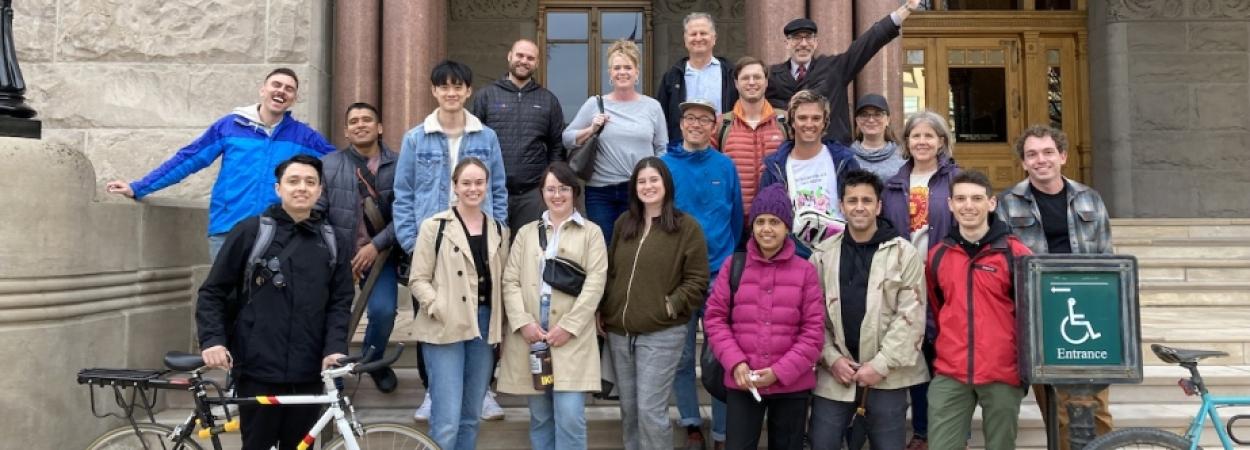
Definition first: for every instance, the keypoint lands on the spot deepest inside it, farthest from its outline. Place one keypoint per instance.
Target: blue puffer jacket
(244, 186)
(423, 174)
(706, 186)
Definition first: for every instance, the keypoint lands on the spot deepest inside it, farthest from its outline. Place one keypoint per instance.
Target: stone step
(1193, 269)
(1229, 293)
(1178, 228)
(1198, 327)
(1196, 247)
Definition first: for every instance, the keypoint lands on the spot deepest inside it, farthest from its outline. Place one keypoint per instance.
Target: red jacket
(778, 319)
(973, 301)
(748, 146)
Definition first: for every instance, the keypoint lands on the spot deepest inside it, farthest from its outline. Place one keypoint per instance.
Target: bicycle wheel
(388, 437)
(151, 436)
(1139, 438)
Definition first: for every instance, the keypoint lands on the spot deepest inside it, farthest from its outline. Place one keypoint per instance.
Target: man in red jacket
(973, 299)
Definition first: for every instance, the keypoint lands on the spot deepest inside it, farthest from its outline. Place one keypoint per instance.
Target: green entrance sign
(1081, 318)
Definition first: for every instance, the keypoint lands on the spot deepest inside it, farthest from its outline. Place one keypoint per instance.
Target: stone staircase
(1195, 293)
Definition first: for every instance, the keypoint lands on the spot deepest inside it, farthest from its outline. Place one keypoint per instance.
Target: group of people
(841, 274)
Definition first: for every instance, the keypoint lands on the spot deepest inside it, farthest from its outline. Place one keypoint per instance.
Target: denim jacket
(423, 174)
(1089, 226)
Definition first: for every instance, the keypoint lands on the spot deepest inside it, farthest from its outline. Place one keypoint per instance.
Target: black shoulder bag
(582, 158)
(562, 274)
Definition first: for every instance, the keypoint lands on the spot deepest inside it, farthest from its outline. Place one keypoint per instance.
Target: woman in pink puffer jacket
(775, 334)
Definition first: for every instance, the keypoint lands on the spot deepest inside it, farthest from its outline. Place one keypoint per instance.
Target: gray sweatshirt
(635, 130)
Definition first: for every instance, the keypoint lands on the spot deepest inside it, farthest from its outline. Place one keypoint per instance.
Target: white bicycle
(149, 435)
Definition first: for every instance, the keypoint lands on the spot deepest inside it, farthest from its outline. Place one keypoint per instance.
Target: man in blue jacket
(705, 184)
(250, 141)
(811, 169)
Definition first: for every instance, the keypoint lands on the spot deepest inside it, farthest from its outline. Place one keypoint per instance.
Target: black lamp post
(16, 117)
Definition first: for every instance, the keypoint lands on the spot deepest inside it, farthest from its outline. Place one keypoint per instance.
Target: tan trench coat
(446, 290)
(576, 363)
(894, 321)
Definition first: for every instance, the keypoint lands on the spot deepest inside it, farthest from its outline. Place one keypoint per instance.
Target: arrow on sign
(1059, 289)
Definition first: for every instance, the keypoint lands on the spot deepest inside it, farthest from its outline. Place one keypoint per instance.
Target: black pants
(787, 420)
(263, 426)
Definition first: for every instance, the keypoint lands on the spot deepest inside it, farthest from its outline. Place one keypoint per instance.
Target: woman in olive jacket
(657, 279)
(538, 313)
(457, 269)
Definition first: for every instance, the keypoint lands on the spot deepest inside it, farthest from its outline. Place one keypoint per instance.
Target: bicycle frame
(1210, 409)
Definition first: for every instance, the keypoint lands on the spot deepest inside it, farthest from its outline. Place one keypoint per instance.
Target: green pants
(950, 413)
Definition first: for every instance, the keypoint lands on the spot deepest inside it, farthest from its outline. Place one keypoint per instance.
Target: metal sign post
(1080, 328)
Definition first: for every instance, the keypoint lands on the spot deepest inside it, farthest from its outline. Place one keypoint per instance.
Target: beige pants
(1102, 414)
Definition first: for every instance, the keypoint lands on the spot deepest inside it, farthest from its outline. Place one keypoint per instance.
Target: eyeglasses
(553, 190)
(871, 115)
(701, 120)
(802, 37)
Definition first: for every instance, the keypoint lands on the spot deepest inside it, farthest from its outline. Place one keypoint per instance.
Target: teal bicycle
(1154, 438)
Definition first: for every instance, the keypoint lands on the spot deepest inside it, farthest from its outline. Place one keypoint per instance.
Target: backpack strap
(932, 271)
(438, 240)
(735, 277)
(783, 125)
(542, 236)
(327, 235)
(264, 237)
(726, 122)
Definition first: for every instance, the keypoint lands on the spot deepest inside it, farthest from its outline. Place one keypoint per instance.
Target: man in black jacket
(278, 328)
(528, 120)
(697, 76)
(356, 200)
(829, 75)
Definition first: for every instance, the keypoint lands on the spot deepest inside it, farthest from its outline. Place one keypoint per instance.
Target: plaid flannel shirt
(1089, 227)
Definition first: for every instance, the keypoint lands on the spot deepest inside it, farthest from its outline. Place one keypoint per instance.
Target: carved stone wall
(129, 82)
(1170, 88)
(481, 32)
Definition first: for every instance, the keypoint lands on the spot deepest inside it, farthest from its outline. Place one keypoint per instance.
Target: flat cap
(800, 24)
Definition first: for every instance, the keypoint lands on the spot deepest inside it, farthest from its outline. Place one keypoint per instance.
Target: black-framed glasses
(701, 120)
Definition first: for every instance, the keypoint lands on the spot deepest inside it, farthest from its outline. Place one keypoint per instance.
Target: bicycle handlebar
(381, 363)
(368, 353)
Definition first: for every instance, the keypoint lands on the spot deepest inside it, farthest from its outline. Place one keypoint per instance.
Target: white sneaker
(423, 412)
(490, 408)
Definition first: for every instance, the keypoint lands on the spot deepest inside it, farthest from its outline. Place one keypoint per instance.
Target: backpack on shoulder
(264, 237)
(713, 376)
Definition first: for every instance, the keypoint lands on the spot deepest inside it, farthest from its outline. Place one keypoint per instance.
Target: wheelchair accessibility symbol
(1074, 328)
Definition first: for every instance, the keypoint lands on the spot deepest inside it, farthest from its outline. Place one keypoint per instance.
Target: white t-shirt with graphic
(813, 185)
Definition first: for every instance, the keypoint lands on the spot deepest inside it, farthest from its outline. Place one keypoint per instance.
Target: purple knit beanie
(773, 200)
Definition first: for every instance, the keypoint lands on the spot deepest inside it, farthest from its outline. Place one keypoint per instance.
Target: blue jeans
(381, 309)
(215, 241)
(558, 420)
(686, 385)
(459, 374)
(605, 204)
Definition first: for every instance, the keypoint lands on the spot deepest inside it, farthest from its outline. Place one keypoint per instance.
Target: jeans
(381, 308)
(644, 366)
(215, 241)
(885, 419)
(459, 374)
(950, 414)
(686, 384)
(558, 420)
(786, 414)
(605, 204)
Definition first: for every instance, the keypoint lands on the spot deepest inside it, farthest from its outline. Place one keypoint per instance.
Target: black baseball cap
(873, 100)
(800, 24)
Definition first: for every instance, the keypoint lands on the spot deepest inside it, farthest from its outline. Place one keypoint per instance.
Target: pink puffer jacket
(778, 319)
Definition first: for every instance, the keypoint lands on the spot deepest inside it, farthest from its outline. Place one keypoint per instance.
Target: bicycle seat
(1172, 355)
(183, 361)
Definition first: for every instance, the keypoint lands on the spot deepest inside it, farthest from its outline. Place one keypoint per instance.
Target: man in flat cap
(829, 75)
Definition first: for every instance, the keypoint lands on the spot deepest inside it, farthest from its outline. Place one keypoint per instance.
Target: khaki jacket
(446, 289)
(894, 321)
(576, 363)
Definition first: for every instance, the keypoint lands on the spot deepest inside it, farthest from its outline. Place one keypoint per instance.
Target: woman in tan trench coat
(557, 417)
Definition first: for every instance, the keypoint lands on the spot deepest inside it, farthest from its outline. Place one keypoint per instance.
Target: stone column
(357, 61)
(413, 41)
(837, 29)
(765, 20)
(882, 75)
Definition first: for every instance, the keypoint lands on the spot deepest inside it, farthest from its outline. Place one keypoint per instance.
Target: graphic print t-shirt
(918, 209)
(813, 185)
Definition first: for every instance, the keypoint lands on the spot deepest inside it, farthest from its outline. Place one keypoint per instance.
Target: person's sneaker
(423, 412)
(490, 408)
(694, 439)
(385, 380)
(918, 443)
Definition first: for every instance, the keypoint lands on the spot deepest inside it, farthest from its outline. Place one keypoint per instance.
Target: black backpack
(264, 237)
(713, 376)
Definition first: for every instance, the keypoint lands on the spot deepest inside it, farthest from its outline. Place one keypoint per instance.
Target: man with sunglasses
(705, 184)
(276, 320)
(829, 75)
